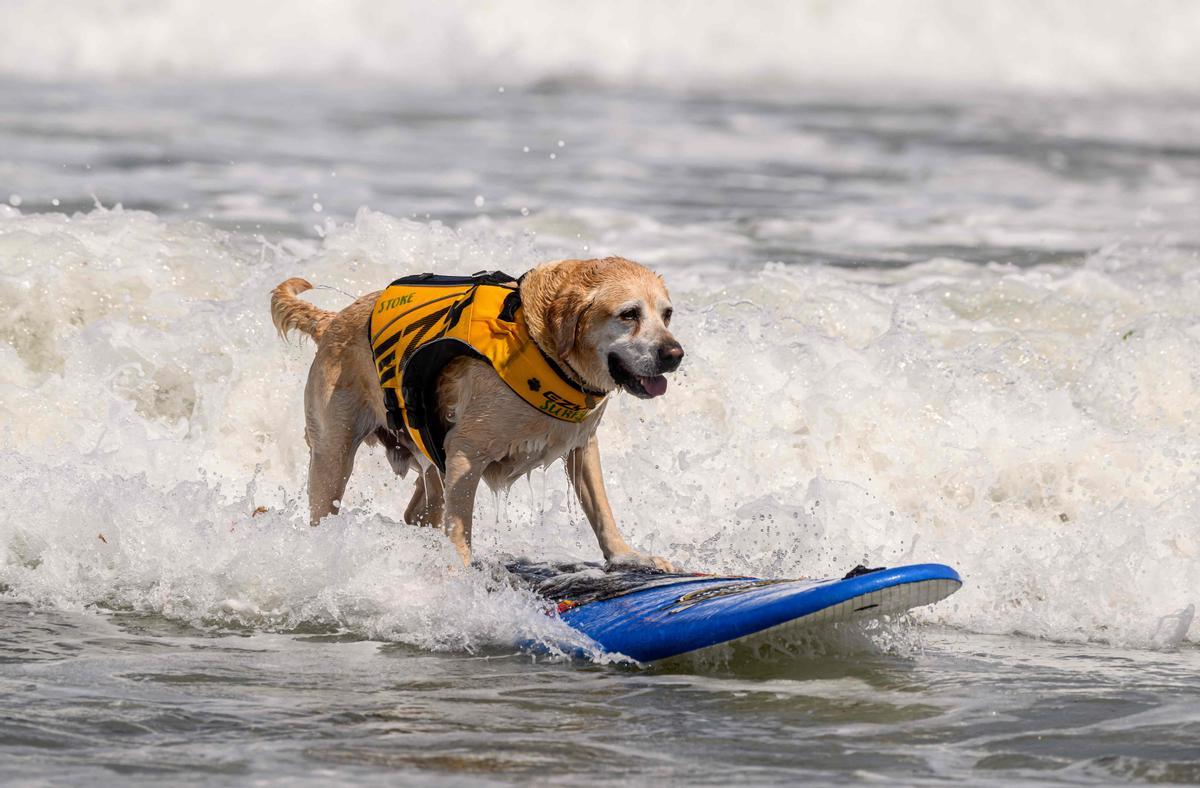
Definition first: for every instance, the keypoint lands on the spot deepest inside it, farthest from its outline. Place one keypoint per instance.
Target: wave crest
(1047, 45)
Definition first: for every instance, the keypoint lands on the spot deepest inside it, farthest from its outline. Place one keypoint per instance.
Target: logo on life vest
(563, 409)
(392, 303)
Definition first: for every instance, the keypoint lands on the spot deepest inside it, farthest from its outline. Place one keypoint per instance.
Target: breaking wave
(1035, 428)
(1044, 45)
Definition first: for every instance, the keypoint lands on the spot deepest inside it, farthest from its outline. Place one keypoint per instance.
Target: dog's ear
(562, 316)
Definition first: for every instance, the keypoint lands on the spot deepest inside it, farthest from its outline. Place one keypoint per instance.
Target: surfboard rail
(656, 616)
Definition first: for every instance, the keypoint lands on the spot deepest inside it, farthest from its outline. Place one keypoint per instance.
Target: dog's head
(607, 319)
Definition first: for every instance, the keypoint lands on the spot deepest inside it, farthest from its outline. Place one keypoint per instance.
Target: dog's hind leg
(425, 506)
(329, 466)
(335, 426)
(416, 504)
(428, 499)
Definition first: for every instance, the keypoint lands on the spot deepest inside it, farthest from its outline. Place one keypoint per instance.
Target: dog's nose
(669, 356)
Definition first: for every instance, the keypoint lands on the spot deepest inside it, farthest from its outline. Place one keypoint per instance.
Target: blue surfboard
(650, 615)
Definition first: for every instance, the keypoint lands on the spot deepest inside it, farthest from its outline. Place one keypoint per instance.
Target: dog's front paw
(635, 560)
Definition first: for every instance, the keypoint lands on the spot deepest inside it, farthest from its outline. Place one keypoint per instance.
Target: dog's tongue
(655, 386)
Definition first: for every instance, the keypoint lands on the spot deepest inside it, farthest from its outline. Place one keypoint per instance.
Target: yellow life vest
(421, 323)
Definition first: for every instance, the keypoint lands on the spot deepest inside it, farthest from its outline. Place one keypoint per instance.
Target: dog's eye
(667, 316)
(629, 314)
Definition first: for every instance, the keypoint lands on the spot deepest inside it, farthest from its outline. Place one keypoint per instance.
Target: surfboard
(649, 615)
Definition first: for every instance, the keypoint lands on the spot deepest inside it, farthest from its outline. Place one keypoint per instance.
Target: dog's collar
(569, 375)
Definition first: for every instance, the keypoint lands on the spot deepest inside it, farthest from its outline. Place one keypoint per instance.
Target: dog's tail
(289, 312)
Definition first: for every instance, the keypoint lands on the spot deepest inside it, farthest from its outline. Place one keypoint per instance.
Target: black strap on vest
(477, 278)
(420, 393)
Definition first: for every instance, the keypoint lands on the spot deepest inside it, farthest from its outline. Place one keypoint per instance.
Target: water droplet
(479, 200)
(14, 200)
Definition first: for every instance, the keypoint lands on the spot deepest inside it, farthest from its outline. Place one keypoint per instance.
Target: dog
(591, 327)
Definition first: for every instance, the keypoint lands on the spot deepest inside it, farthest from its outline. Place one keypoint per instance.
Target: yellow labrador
(604, 323)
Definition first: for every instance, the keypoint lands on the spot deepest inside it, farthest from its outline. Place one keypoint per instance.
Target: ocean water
(940, 299)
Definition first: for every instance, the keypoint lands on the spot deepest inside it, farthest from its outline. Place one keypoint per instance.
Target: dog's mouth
(644, 387)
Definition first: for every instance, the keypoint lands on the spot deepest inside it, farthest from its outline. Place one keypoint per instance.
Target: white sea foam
(1035, 428)
(1051, 45)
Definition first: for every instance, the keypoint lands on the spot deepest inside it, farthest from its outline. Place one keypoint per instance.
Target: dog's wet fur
(605, 322)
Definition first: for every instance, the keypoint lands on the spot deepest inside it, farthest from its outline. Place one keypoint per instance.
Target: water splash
(1034, 428)
(1053, 45)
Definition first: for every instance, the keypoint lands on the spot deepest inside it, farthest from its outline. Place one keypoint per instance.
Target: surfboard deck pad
(650, 615)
